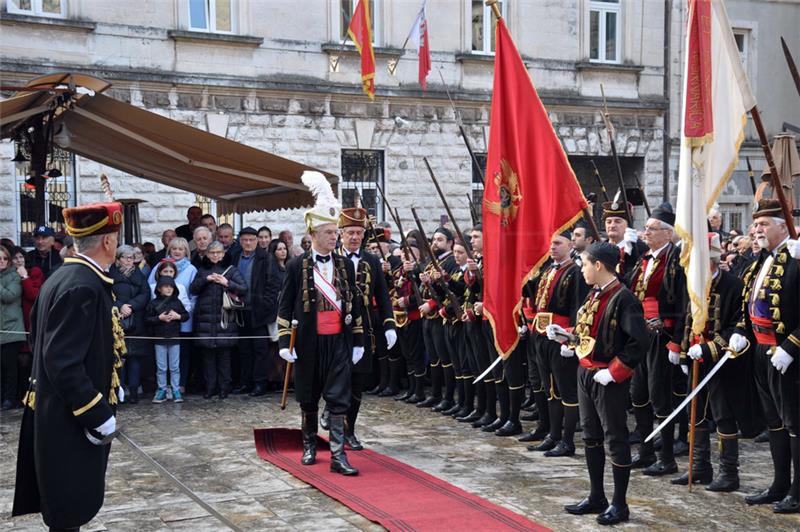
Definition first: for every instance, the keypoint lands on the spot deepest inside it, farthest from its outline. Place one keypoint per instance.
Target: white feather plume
(321, 189)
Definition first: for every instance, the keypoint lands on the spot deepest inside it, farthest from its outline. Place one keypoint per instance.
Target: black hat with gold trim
(768, 207)
(353, 216)
(94, 219)
(616, 209)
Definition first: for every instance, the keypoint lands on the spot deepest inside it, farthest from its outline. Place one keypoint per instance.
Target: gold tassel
(781, 258)
(777, 270)
(780, 328)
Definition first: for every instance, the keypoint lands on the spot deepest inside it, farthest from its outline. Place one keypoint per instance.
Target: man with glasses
(659, 282)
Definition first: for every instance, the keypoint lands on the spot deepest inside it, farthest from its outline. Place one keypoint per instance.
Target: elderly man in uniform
(320, 292)
(771, 314)
(70, 407)
(620, 233)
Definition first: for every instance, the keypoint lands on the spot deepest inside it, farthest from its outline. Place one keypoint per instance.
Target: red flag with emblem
(531, 191)
(360, 32)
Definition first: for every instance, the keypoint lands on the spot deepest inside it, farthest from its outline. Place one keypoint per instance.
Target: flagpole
(495, 9)
(776, 181)
(792, 66)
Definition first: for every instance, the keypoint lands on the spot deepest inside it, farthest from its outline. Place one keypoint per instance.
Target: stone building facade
(262, 73)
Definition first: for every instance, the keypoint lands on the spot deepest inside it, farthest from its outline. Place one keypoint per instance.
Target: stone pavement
(209, 446)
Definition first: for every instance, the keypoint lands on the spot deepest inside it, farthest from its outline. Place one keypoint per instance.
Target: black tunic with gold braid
(78, 346)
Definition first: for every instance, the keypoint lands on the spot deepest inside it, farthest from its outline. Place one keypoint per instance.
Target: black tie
(323, 258)
(351, 255)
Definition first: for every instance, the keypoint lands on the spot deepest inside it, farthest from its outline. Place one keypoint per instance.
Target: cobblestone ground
(209, 446)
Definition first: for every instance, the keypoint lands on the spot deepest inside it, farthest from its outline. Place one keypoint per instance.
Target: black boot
(566, 447)
(596, 502)
(543, 428)
(395, 368)
(419, 390)
(781, 464)
(666, 464)
(618, 511)
(490, 412)
(644, 424)
(555, 411)
(791, 503)
(501, 389)
(702, 472)
(512, 427)
(325, 420)
(350, 437)
(449, 389)
(309, 429)
(528, 401)
(468, 414)
(408, 392)
(339, 463)
(436, 388)
(728, 478)
(383, 363)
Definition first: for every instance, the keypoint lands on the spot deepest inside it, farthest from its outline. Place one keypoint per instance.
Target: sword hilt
(735, 353)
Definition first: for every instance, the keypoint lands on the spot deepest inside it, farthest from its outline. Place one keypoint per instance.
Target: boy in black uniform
(610, 339)
(70, 408)
(409, 322)
(320, 292)
(376, 310)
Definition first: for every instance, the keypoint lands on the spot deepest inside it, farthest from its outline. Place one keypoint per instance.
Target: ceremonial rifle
(463, 133)
(403, 242)
(611, 135)
(447, 208)
(596, 173)
(792, 65)
(750, 175)
(456, 307)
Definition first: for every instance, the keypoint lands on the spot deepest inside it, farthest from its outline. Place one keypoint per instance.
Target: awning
(157, 148)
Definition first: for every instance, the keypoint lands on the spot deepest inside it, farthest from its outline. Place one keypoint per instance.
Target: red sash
(329, 322)
(763, 331)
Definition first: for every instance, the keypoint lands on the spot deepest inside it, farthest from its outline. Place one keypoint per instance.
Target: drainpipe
(667, 143)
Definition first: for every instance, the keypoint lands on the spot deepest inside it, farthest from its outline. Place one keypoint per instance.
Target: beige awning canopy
(157, 148)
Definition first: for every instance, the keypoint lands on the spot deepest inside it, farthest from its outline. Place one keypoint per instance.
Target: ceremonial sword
(729, 353)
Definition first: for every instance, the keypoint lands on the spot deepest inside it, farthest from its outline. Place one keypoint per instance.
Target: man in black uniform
(320, 292)
(557, 293)
(772, 315)
(617, 220)
(379, 330)
(442, 372)
(78, 344)
(405, 306)
(610, 340)
(659, 282)
(723, 393)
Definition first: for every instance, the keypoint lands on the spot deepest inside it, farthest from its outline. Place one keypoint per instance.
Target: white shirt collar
(91, 261)
(775, 251)
(657, 252)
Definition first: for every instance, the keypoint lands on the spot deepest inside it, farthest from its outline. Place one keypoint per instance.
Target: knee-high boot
(501, 390)
(728, 478)
(339, 463)
(644, 424)
(596, 463)
(383, 364)
(309, 429)
(490, 412)
(702, 472)
(419, 390)
(512, 427)
(436, 388)
(781, 464)
(350, 437)
(395, 369)
(468, 413)
(791, 503)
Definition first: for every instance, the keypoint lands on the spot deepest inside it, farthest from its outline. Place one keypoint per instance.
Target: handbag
(231, 301)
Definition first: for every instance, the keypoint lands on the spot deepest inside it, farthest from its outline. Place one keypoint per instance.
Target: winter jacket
(186, 273)
(263, 288)
(30, 291)
(11, 307)
(47, 264)
(161, 304)
(134, 291)
(208, 313)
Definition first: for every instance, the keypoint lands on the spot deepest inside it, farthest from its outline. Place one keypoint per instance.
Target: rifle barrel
(447, 208)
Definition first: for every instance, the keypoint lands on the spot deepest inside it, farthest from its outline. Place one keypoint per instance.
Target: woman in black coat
(217, 327)
(132, 295)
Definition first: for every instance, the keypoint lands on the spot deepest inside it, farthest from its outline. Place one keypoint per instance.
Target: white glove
(695, 352)
(603, 377)
(674, 358)
(781, 360)
(287, 356)
(358, 353)
(108, 427)
(121, 394)
(566, 352)
(794, 248)
(391, 338)
(737, 342)
(630, 235)
(685, 370)
(554, 331)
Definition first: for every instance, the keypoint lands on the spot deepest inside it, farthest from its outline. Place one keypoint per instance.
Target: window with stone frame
(39, 8)
(213, 16)
(346, 9)
(483, 24)
(59, 193)
(361, 170)
(604, 31)
(477, 184)
(742, 36)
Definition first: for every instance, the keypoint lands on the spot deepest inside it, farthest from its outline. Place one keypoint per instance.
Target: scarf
(182, 264)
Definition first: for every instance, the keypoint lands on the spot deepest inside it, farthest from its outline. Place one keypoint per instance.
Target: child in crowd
(165, 314)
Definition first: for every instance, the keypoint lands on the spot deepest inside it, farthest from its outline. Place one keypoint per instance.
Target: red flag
(360, 32)
(531, 191)
(419, 34)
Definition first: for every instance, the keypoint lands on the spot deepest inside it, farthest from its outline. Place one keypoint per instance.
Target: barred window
(361, 170)
(477, 184)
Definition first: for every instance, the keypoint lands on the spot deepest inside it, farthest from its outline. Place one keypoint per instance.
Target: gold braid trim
(120, 350)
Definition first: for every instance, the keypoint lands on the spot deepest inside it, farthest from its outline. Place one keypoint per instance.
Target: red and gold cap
(353, 216)
(94, 219)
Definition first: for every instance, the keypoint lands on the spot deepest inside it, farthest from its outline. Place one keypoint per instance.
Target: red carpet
(390, 493)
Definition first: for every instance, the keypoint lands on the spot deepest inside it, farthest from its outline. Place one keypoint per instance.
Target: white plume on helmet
(327, 206)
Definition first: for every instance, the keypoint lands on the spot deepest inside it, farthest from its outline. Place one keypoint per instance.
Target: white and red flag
(717, 98)
(419, 34)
